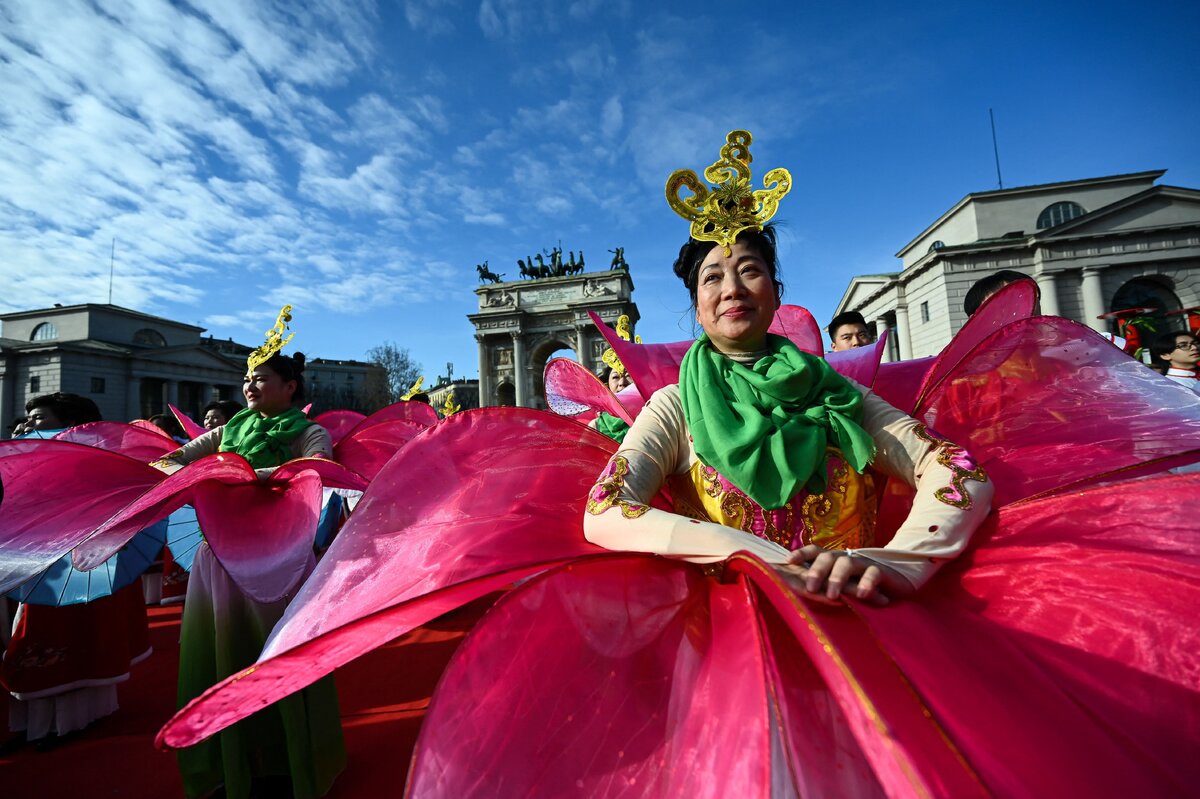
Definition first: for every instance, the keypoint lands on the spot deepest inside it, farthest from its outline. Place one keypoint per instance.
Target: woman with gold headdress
(1055, 659)
(765, 447)
(297, 742)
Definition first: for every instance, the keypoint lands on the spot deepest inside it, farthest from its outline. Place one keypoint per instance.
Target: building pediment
(1157, 207)
(862, 287)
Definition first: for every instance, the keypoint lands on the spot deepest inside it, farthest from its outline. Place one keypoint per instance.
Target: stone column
(1093, 299)
(519, 376)
(581, 348)
(1049, 293)
(172, 393)
(485, 373)
(881, 329)
(903, 341)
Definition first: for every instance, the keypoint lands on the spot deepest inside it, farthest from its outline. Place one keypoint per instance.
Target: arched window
(1146, 292)
(1058, 213)
(44, 332)
(148, 337)
(937, 245)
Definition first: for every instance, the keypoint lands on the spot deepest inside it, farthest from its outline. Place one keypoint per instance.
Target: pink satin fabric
(132, 441)
(190, 428)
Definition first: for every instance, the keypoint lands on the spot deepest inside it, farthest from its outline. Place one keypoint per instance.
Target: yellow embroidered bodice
(843, 517)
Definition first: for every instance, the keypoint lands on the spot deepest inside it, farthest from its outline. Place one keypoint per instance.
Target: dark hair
(71, 409)
(420, 396)
(692, 254)
(986, 287)
(845, 318)
(289, 367)
(168, 424)
(1164, 343)
(226, 408)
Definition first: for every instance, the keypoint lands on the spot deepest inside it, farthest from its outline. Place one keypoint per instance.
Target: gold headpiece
(416, 388)
(450, 406)
(610, 355)
(731, 207)
(275, 340)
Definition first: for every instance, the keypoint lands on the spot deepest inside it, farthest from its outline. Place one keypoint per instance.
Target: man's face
(849, 336)
(1186, 353)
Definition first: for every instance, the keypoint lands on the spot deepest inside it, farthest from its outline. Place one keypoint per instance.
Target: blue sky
(357, 159)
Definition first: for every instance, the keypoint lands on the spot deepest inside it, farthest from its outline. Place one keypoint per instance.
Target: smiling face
(266, 392)
(735, 298)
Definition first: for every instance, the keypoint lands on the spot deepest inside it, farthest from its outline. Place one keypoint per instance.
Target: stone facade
(1093, 246)
(520, 324)
(131, 364)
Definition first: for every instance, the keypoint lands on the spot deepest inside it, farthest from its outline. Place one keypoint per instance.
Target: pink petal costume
(1055, 657)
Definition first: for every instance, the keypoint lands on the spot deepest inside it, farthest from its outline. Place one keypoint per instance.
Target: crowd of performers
(738, 565)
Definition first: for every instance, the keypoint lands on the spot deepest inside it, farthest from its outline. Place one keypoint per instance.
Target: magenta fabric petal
(571, 390)
(1080, 605)
(629, 676)
(797, 324)
(860, 364)
(899, 382)
(262, 531)
(1012, 303)
(132, 441)
(332, 473)
(339, 423)
(1063, 406)
(40, 525)
(158, 500)
(368, 447)
(190, 428)
(416, 412)
(488, 492)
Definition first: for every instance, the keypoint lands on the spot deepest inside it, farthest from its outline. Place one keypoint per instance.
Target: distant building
(466, 393)
(1093, 246)
(131, 364)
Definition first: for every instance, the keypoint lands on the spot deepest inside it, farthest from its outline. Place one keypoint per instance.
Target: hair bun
(298, 359)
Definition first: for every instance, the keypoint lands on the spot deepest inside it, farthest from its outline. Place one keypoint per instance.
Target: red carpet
(383, 697)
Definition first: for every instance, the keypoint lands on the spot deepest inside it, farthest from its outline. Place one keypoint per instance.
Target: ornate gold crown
(416, 388)
(731, 207)
(610, 356)
(275, 340)
(450, 406)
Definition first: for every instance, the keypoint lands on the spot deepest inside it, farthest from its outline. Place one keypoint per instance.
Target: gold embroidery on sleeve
(607, 490)
(961, 465)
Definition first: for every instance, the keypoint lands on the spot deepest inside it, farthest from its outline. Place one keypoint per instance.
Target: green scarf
(611, 426)
(263, 441)
(766, 427)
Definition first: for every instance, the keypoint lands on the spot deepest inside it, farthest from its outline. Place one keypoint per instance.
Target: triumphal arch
(521, 323)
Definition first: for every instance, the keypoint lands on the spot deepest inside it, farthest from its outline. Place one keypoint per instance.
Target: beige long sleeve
(314, 442)
(945, 512)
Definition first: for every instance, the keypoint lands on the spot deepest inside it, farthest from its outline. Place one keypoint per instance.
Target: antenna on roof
(995, 148)
(112, 257)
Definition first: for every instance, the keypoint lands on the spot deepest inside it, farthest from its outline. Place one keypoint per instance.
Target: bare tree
(399, 367)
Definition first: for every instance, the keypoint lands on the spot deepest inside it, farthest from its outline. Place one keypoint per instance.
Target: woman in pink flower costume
(296, 742)
(820, 603)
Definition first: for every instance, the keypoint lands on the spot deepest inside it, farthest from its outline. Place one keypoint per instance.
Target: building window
(44, 332)
(35, 385)
(1058, 213)
(925, 312)
(937, 245)
(97, 385)
(148, 337)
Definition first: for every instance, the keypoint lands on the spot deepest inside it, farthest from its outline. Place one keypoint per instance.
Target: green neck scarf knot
(263, 441)
(766, 427)
(611, 426)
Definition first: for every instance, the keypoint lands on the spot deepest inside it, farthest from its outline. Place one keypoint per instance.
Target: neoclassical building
(133, 364)
(1094, 246)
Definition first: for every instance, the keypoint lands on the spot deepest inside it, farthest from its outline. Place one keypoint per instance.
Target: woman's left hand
(834, 572)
